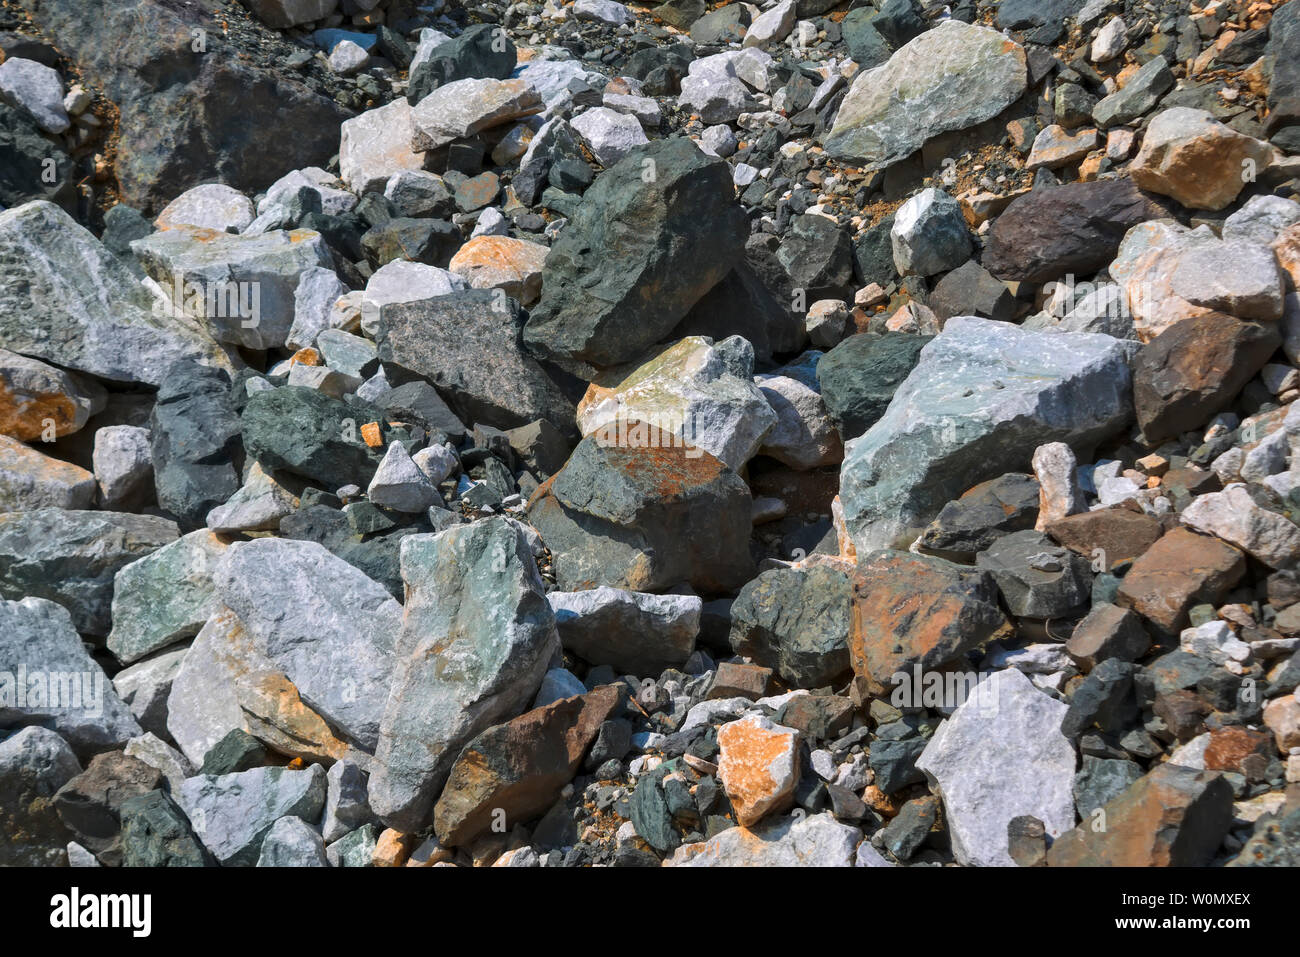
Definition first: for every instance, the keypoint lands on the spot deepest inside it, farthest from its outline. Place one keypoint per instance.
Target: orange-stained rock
(1189, 155)
(1107, 536)
(1232, 748)
(502, 262)
(758, 764)
(392, 849)
(1173, 817)
(38, 401)
(513, 772)
(371, 435)
(307, 357)
(1287, 249)
(276, 716)
(1180, 570)
(1282, 715)
(32, 480)
(918, 610)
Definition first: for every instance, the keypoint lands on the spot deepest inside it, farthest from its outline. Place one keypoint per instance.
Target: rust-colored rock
(918, 610)
(1108, 536)
(1236, 749)
(502, 262)
(515, 771)
(1180, 570)
(1194, 369)
(758, 764)
(1172, 817)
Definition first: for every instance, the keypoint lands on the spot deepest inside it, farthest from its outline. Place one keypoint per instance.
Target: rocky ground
(562, 434)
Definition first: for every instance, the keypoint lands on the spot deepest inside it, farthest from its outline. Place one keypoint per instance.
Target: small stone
(758, 765)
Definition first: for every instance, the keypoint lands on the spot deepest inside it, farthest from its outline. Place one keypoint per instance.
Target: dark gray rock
(859, 376)
(482, 51)
(156, 833)
(34, 764)
(311, 435)
(982, 515)
(1037, 577)
(796, 621)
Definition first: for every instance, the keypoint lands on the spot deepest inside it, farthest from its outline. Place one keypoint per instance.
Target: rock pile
(599, 434)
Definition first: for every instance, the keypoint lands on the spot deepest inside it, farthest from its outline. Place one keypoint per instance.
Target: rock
(609, 135)
(483, 50)
(1055, 147)
(1073, 229)
(1264, 220)
(123, 460)
(1037, 578)
(816, 256)
(399, 484)
(194, 440)
(918, 611)
(1179, 571)
(758, 765)
(796, 621)
(501, 262)
(376, 146)
(771, 26)
(212, 206)
(90, 803)
(258, 506)
(1172, 817)
(416, 192)
(694, 394)
(1252, 290)
(1282, 717)
(34, 764)
(467, 344)
(827, 322)
(30, 480)
(1109, 536)
(1194, 368)
(1106, 632)
(348, 59)
(144, 688)
(32, 165)
(70, 557)
(633, 515)
(630, 264)
(993, 765)
(714, 90)
(38, 401)
(984, 395)
(194, 127)
(292, 842)
(1233, 516)
(602, 11)
(1137, 98)
(156, 833)
(164, 597)
(804, 436)
(36, 89)
(518, 769)
(462, 108)
(69, 301)
(281, 14)
(1100, 781)
(859, 377)
(233, 813)
(1189, 155)
(325, 444)
(929, 234)
(1059, 492)
(346, 801)
(877, 122)
(970, 290)
(634, 632)
(816, 840)
(981, 516)
(242, 288)
(327, 626)
(436, 703)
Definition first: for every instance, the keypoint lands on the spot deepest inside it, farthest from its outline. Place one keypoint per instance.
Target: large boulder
(983, 397)
(629, 514)
(482, 51)
(68, 300)
(477, 635)
(949, 78)
(652, 236)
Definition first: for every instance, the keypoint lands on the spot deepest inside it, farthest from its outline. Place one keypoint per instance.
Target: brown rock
(38, 401)
(818, 716)
(1108, 631)
(1183, 713)
(737, 680)
(758, 764)
(1230, 749)
(1189, 155)
(90, 804)
(1282, 716)
(392, 849)
(918, 610)
(1108, 536)
(1172, 817)
(1180, 570)
(1194, 369)
(518, 769)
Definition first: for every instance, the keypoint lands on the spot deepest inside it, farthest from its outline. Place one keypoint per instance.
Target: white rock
(376, 145)
(771, 26)
(347, 59)
(601, 11)
(1233, 516)
(319, 288)
(399, 484)
(1110, 41)
(437, 462)
(123, 461)
(36, 89)
(211, 206)
(609, 135)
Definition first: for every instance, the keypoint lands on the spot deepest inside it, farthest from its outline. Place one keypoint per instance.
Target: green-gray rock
(859, 377)
(796, 621)
(156, 833)
(311, 435)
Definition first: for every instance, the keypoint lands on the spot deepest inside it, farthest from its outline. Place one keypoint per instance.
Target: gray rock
(239, 287)
(354, 849)
(796, 621)
(983, 397)
(465, 107)
(71, 557)
(1139, 96)
(31, 480)
(34, 764)
(123, 460)
(346, 801)
(40, 395)
(983, 514)
(1251, 289)
(327, 626)
(258, 506)
(314, 297)
(1037, 577)
(401, 485)
(233, 813)
(609, 134)
(36, 89)
(70, 301)
(157, 753)
(804, 436)
(292, 842)
(1261, 220)
(210, 206)
(949, 78)
(929, 234)
(1001, 755)
(558, 683)
(144, 687)
(203, 705)
(817, 840)
(859, 377)
(459, 670)
(713, 89)
(165, 597)
(51, 679)
(634, 632)
(156, 833)
(376, 146)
